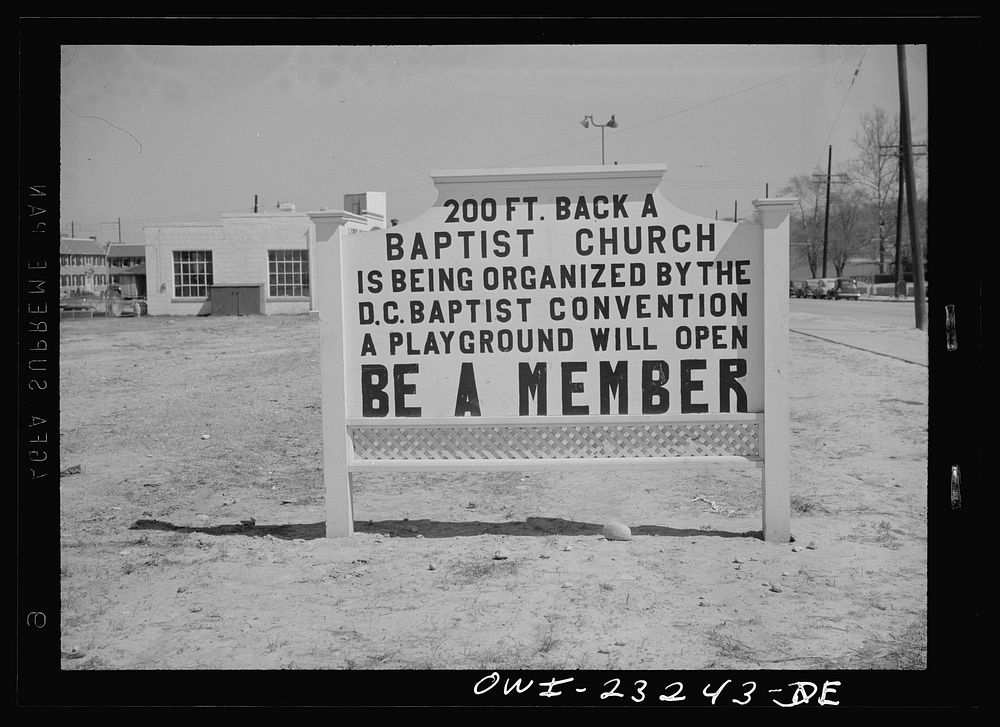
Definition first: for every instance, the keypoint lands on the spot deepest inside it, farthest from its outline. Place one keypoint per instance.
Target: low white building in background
(247, 263)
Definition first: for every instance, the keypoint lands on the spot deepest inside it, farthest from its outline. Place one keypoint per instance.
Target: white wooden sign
(555, 318)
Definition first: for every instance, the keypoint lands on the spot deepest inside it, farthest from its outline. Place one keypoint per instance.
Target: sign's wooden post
(776, 505)
(336, 443)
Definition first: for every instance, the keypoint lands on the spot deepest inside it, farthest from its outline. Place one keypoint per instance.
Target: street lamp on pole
(589, 119)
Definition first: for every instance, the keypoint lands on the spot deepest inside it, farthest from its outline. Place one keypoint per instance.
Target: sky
(157, 134)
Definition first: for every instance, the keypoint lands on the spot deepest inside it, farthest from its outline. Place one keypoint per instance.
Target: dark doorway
(234, 300)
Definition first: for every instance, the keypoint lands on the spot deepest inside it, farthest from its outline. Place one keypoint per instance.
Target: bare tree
(847, 226)
(876, 172)
(806, 229)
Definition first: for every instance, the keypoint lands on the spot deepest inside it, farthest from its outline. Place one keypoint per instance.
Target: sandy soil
(158, 571)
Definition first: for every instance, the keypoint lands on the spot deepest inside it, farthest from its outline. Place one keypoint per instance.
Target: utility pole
(900, 195)
(826, 217)
(899, 228)
(72, 229)
(108, 309)
(829, 181)
(113, 222)
(911, 197)
(255, 204)
(734, 210)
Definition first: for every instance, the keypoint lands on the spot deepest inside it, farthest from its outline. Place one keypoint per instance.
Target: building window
(288, 273)
(192, 273)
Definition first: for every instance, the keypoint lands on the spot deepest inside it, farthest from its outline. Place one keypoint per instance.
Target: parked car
(804, 290)
(845, 288)
(823, 287)
(793, 289)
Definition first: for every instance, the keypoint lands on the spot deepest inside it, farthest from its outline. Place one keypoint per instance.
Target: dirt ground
(158, 571)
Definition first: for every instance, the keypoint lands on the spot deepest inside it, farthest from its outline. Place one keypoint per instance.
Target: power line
(139, 222)
(742, 164)
(188, 216)
(737, 183)
(842, 103)
(660, 118)
(695, 106)
(193, 217)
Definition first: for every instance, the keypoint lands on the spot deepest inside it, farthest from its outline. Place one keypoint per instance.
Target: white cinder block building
(248, 263)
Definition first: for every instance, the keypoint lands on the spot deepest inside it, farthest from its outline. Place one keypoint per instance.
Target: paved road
(883, 312)
(881, 327)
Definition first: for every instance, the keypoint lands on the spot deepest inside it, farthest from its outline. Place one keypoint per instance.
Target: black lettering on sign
(374, 400)
(419, 249)
(620, 205)
(742, 276)
(570, 387)
(649, 207)
(510, 207)
(531, 383)
(402, 389)
(500, 243)
(393, 246)
(467, 401)
(614, 381)
(708, 237)
(600, 207)
(681, 246)
(368, 346)
(441, 241)
(655, 397)
(731, 369)
(473, 210)
(689, 385)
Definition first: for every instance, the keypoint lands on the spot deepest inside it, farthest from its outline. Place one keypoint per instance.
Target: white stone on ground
(616, 531)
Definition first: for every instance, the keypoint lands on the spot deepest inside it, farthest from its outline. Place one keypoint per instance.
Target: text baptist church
(247, 263)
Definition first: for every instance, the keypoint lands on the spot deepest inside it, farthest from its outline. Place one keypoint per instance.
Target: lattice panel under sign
(387, 443)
